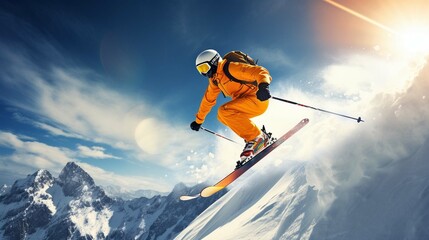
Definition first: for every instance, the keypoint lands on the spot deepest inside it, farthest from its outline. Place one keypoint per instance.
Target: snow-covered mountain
(371, 182)
(73, 207)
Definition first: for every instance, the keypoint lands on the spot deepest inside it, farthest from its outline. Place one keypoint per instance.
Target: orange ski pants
(237, 113)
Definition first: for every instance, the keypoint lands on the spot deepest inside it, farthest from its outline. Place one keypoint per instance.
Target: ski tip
(187, 198)
(305, 120)
(208, 191)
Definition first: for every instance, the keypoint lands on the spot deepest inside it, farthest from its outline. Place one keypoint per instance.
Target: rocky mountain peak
(73, 179)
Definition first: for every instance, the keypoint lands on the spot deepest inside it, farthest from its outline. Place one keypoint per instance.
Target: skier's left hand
(195, 126)
(263, 92)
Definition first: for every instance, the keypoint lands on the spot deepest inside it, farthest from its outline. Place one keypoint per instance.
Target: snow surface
(365, 182)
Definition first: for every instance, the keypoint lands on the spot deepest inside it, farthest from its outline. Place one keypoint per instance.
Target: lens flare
(361, 16)
(411, 40)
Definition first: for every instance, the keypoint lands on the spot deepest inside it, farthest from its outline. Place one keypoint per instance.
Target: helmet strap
(215, 60)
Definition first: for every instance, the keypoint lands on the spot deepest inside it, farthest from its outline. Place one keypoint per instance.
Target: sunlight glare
(415, 40)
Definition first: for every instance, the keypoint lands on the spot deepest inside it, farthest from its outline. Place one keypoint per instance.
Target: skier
(250, 97)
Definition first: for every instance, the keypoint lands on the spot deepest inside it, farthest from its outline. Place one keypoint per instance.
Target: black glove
(195, 126)
(263, 92)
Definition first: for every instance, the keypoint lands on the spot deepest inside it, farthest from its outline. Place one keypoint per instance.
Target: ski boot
(254, 146)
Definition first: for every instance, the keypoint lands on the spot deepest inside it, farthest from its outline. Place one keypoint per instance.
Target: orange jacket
(220, 82)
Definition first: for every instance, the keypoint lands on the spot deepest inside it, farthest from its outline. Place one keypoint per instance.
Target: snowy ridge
(40, 195)
(4, 189)
(27, 206)
(371, 182)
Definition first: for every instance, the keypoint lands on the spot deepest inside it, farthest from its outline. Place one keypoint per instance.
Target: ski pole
(217, 134)
(359, 119)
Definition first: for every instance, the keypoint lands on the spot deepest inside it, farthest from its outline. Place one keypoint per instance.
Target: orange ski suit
(244, 105)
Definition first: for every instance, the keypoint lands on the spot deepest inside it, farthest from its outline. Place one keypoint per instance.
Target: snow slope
(368, 182)
(260, 210)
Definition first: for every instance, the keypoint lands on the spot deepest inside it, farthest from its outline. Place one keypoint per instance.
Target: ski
(209, 191)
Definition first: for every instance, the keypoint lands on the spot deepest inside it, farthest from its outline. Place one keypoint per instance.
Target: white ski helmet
(207, 61)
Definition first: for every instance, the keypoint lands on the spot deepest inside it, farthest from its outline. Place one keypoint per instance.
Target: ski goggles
(203, 68)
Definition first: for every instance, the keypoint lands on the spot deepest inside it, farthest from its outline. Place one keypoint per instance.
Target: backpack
(238, 56)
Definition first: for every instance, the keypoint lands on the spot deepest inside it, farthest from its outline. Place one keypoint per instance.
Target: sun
(414, 40)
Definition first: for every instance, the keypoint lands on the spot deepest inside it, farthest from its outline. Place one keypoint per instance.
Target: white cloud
(72, 99)
(30, 156)
(56, 131)
(362, 75)
(87, 109)
(10, 140)
(94, 152)
(95, 111)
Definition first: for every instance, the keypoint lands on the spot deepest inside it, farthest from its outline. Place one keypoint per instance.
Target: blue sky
(113, 85)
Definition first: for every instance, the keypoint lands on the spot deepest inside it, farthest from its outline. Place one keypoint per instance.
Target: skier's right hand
(195, 126)
(263, 93)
